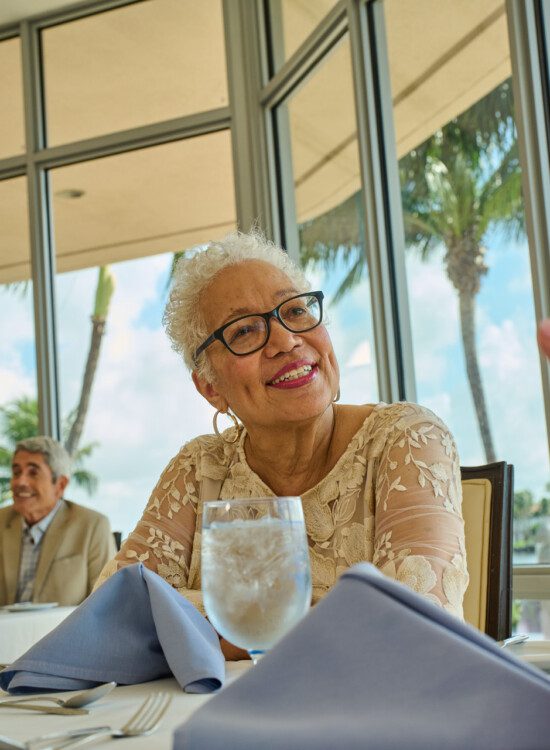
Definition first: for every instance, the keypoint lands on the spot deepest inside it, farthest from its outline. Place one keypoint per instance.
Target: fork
(145, 720)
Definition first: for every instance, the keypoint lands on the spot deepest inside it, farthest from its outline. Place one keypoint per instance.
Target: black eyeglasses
(249, 333)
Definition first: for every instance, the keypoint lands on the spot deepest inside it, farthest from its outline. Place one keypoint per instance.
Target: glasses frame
(217, 335)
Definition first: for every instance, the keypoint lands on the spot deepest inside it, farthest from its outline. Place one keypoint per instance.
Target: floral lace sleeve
(163, 537)
(419, 531)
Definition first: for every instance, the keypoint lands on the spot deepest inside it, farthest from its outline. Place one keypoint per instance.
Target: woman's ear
(209, 392)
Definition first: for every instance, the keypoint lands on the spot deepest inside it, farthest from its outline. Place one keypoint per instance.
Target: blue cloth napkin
(134, 628)
(376, 666)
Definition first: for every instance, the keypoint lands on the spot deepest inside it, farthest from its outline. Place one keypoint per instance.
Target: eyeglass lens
(298, 314)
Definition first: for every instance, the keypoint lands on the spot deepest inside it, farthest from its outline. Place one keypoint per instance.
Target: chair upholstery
(487, 496)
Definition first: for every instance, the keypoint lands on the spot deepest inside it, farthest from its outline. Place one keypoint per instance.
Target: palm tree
(76, 420)
(20, 419)
(455, 187)
(104, 292)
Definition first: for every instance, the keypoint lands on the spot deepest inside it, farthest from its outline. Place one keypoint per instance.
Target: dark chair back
(488, 493)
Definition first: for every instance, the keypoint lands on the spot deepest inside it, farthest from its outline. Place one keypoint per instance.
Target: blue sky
(144, 405)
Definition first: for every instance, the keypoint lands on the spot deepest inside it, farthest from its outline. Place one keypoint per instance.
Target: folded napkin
(134, 628)
(376, 666)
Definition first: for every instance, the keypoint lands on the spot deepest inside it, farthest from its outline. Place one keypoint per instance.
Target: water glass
(256, 578)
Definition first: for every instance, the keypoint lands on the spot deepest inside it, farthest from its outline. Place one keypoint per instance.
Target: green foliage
(524, 504)
(20, 421)
(516, 613)
(104, 292)
(465, 177)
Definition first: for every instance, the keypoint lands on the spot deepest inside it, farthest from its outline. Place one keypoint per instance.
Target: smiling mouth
(296, 376)
(292, 374)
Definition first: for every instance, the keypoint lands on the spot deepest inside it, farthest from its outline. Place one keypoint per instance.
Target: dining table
(114, 710)
(21, 628)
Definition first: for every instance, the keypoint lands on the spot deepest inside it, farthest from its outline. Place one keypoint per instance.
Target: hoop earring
(233, 418)
(337, 397)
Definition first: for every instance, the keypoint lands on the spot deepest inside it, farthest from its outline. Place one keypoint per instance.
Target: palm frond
(85, 479)
(173, 264)
(351, 279)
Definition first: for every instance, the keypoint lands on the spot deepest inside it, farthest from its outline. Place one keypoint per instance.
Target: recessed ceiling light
(70, 193)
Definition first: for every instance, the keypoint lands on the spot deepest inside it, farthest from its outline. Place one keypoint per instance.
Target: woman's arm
(163, 537)
(419, 531)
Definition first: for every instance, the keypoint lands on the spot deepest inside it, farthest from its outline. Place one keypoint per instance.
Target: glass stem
(256, 655)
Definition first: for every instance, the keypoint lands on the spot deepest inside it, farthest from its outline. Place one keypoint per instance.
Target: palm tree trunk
(467, 328)
(98, 329)
(103, 294)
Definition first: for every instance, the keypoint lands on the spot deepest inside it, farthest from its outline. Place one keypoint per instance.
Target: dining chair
(487, 497)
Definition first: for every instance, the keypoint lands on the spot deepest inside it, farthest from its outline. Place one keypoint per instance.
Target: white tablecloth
(21, 630)
(115, 710)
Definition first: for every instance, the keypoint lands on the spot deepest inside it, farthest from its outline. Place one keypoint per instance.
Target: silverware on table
(83, 698)
(513, 640)
(60, 710)
(146, 719)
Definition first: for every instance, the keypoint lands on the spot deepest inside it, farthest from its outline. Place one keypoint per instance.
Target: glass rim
(250, 501)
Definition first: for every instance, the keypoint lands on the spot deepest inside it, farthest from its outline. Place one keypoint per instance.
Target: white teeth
(293, 374)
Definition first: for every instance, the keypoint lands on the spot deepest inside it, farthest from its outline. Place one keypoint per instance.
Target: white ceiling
(12, 11)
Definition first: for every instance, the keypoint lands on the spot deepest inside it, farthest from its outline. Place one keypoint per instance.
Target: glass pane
(291, 23)
(12, 125)
(531, 616)
(320, 119)
(467, 256)
(136, 65)
(18, 405)
(116, 234)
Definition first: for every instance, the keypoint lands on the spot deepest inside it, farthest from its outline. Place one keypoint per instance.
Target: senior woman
(378, 482)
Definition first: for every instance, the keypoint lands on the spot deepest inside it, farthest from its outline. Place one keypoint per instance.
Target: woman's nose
(281, 339)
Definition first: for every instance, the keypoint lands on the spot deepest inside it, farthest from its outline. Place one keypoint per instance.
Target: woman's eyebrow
(238, 311)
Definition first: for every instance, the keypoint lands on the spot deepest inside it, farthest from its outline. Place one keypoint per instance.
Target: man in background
(51, 549)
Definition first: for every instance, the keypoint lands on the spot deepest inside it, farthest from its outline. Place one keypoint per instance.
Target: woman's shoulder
(404, 414)
(207, 454)
(384, 420)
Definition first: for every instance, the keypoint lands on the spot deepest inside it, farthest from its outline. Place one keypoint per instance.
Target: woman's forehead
(252, 286)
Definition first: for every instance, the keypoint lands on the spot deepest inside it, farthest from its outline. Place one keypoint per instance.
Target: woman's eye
(241, 332)
(296, 311)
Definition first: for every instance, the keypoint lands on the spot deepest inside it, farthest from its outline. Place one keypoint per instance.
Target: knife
(45, 709)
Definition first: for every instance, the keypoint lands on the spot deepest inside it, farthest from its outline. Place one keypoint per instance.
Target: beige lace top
(393, 499)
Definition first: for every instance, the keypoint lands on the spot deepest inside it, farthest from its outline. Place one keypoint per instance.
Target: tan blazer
(76, 545)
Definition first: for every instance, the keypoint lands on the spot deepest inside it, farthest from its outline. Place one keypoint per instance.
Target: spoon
(75, 701)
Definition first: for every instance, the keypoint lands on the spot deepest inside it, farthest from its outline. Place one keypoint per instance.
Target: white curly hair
(183, 318)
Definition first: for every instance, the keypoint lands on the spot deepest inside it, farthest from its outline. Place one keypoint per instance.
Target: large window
(124, 392)
(115, 221)
(467, 255)
(18, 405)
(324, 183)
(135, 65)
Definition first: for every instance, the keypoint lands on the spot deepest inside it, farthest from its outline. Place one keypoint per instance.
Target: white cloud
(361, 355)
(509, 365)
(16, 342)
(144, 405)
(434, 319)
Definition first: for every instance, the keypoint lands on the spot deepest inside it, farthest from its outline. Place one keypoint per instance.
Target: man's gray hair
(54, 454)
(195, 271)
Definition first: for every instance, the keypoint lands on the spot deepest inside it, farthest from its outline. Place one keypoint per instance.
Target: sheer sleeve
(419, 531)
(163, 538)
